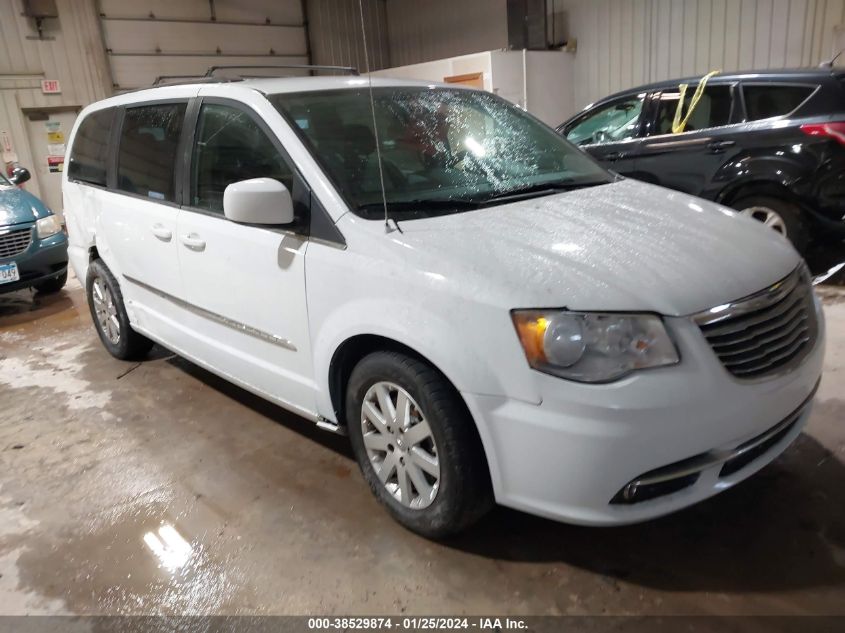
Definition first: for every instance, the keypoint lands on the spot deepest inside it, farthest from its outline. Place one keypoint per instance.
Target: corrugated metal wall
(335, 30)
(624, 43)
(145, 39)
(71, 51)
(402, 32)
(435, 29)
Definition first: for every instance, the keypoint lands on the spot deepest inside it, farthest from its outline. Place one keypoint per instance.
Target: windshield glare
(438, 146)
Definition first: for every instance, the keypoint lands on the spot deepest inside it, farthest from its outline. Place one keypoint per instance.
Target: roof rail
(194, 79)
(310, 67)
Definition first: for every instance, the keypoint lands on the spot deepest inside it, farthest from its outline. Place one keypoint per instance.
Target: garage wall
(334, 27)
(624, 43)
(404, 32)
(70, 51)
(436, 29)
(145, 39)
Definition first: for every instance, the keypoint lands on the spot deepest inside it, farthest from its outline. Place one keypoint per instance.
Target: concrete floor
(96, 455)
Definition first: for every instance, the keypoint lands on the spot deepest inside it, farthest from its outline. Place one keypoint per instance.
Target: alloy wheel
(400, 445)
(106, 311)
(767, 216)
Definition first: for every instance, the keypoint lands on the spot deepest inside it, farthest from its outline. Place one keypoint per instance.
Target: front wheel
(52, 285)
(416, 445)
(109, 314)
(779, 215)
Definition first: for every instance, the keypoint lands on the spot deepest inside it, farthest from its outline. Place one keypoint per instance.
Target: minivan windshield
(443, 150)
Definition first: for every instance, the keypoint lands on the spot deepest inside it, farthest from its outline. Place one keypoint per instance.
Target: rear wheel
(779, 215)
(109, 314)
(416, 444)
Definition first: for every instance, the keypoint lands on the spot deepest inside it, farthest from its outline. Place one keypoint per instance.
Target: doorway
(48, 130)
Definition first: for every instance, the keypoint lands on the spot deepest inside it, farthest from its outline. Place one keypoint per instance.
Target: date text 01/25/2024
(416, 623)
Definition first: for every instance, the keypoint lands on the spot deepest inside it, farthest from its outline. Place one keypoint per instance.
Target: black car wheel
(110, 318)
(416, 444)
(779, 215)
(52, 285)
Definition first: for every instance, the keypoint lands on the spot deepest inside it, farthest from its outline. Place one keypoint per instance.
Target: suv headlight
(45, 227)
(593, 346)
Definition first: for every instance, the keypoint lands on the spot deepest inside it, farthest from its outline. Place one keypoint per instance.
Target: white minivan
(486, 312)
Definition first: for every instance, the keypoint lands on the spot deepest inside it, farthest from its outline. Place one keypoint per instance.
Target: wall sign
(51, 86)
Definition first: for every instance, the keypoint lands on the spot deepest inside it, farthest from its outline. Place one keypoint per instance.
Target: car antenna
(830, 63)
(387, 217)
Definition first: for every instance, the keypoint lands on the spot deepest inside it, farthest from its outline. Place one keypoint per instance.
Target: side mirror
(258, 201)
(19, 175)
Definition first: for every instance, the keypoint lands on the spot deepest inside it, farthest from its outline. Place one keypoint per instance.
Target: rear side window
(714, 109)
(147, 155)
(764, 102)
(89, 155)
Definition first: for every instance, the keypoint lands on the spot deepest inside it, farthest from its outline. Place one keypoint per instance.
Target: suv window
(89, 155)
(147, 155)
(617, 121)
(763, 102)
(713, 109)
(230, 146)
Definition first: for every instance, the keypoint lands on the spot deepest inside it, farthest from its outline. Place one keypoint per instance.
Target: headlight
(593, 346)
(45, 227)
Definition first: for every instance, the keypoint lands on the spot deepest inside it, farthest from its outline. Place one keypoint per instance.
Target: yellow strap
(679, 125)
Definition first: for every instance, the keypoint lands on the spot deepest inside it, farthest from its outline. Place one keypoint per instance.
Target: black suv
(770, 144)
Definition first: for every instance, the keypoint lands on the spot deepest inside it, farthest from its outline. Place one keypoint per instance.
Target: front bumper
(42, 260)
(572, 456)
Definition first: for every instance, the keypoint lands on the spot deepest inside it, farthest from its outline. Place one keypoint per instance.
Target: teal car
(33, 246)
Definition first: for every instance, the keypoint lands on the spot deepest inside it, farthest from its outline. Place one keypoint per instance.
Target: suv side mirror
(19, 175)
(258, 201)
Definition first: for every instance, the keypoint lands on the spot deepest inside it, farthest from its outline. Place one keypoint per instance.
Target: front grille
(767, 332)
(14, 242)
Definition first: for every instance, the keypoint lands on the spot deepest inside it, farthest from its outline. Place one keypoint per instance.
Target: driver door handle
(193, 241)
(612, 156)
(162, 232)
(720, 146)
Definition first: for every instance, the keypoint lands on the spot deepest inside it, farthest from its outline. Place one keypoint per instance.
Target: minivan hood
(18, 207)
(625, 246)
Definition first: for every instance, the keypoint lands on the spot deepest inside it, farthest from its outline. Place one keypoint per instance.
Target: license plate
(9, 273)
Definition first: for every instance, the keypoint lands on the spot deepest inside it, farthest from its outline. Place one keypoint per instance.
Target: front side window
(89, 154)
(714, 108)
(617, 121)
(442, 150)
(147, 154)
(767, 101)
(230, 146)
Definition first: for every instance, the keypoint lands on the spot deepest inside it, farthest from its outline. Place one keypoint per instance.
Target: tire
(462, 492)
(789, 215)
(127, 344)
(52, 285)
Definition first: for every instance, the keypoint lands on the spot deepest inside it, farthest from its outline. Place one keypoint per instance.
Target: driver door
(610, 132)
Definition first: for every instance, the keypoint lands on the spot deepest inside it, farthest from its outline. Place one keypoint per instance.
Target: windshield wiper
(543, 189)
(425, 205)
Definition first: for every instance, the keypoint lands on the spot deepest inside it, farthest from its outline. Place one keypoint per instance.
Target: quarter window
(89, 155)
(230, 146)
(714, 109)
(147, 156)
(617, 121)
(764, 102)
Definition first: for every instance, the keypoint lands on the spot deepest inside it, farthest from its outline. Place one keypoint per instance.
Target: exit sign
(50, 86)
